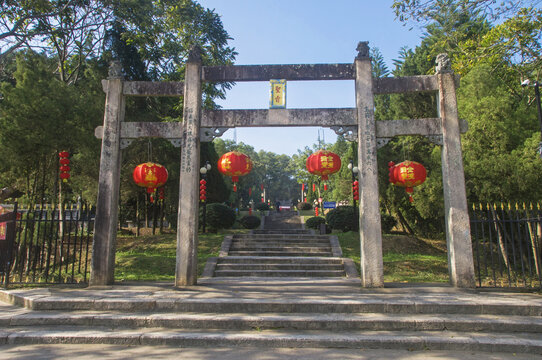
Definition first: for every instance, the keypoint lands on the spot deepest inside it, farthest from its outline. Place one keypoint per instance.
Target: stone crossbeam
(281, 117)
(397, 85)
(289, 72)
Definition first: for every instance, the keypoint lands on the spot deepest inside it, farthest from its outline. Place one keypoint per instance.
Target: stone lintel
(153, 88)
(279, 117)
(289, 72)
(282, 117)
(405, 84)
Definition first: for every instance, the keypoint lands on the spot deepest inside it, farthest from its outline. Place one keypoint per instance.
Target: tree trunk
(500, 239)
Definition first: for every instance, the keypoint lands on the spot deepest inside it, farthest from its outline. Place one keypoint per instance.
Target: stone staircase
(265, 312)
(281, 253)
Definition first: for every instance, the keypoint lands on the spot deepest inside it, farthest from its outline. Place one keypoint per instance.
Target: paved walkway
(91, 352)
(282, 220)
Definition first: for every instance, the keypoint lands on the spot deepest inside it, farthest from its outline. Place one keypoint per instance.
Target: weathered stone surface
(289, 72)
(105, 225)
(460, 258)
(372, 268)
(279, 117)
(187, 218)
(404, 84)
(152, 88)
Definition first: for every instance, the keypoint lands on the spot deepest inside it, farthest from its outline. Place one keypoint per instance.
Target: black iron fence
(46, 244)
(507, 246)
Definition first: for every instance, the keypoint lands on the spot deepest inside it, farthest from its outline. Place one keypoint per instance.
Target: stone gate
(355, 123)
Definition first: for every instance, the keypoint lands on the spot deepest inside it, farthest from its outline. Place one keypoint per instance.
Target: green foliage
(261, 206)
(388, 222)
(343, 218)
(314, 222)
(304, 206)
(250, 222)
(219, 216)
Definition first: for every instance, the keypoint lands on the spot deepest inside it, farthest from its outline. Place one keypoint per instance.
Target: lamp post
(354, 171)
(203, 171)
(536, 86)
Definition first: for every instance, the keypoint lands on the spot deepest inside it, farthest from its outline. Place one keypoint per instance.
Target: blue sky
(303, 32)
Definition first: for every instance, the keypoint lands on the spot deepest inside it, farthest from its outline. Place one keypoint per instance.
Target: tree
(425, 11)
(40, 116)
(72, 30)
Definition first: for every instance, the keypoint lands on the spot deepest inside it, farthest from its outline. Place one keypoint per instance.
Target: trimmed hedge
(314, 222)
(343, 218)
(219, 216)
(250, 222)
(304, 206)
(262, 207)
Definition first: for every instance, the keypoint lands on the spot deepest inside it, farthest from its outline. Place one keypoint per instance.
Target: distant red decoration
(323, 163)
(407, 174)
(161, 193)
(355, 190)
(64, 168)
(203, 190)
(234, 164)
(150, 175)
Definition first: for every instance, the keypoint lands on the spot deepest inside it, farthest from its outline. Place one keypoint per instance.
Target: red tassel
(313, 187)
(410, 198)
(234, 187)
(325, 187)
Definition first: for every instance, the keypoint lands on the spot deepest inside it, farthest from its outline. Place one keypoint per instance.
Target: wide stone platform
(276, 313)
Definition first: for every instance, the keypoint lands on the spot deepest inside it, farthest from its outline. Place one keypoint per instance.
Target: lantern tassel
(234, 187)
(325, 187)
(410, 198)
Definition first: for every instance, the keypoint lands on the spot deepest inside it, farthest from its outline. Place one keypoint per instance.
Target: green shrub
(314, 222)
(250, 222)
(262, 206)
(343, 218)
(219, 216)
(304, 206)
(388, 222)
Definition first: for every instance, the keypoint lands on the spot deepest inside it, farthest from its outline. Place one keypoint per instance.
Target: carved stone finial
(195, 54)
(363, 50)
(444, 65)
(115, 70)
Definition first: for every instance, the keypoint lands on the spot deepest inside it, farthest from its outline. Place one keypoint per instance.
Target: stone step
(245, 266)
(241, 321)
(299, 252)
(278, 259)
(281, 231)
(281, 302)
(280, 273)
(280, 236)
(305, 249)
(446, 340)
(280, 241)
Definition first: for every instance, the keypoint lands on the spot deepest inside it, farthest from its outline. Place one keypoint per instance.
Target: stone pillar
(102, 268)
(372, 273)
(187, 218)
(460, 259)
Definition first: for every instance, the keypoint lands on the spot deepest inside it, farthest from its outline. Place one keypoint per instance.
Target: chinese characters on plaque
(278, 94)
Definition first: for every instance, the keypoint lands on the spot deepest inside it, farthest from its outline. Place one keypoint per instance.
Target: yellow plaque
(278, 94)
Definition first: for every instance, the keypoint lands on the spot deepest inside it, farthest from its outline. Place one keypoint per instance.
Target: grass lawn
(152, 257)
(406, 259)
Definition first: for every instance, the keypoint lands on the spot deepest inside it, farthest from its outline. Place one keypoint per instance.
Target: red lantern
(150, 175)
(323, 163)
(203, 190)
(407, 174)
(234, 164)
(355, 190)
(64, 168)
